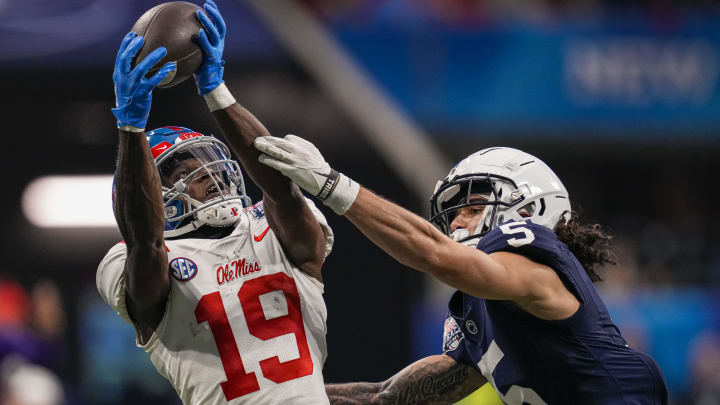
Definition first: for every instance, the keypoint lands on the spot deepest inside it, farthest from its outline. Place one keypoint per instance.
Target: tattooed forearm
(420, 388)
(433, 380)
(352, 393)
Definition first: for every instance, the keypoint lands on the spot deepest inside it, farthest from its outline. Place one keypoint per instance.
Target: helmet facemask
(201, 185)
(497, 194)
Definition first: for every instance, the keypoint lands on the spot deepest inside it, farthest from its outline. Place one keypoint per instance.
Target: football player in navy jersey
(526, 316)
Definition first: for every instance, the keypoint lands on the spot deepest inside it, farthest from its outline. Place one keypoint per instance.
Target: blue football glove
(133, 92)
(212, 41)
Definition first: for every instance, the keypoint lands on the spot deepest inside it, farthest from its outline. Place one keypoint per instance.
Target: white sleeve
(110, 280)
(327, 231)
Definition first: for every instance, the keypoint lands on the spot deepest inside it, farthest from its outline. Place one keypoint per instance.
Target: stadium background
(621, 98)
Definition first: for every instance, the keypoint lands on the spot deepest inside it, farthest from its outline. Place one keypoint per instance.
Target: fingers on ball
(215, 15)
(209, 27)
(151, 60)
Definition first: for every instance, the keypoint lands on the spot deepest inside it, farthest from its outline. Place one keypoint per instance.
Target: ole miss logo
(183, 269)
(235, 270)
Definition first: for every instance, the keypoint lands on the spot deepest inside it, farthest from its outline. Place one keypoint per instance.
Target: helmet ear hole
(527, 210)
(542, 207)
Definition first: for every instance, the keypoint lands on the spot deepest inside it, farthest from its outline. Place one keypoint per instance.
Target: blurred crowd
(662, 295)
(33, 345)
(488, 11)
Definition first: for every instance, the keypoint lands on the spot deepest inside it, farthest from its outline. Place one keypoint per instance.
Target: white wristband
(130, 128)
(220, 98)
(343, 194)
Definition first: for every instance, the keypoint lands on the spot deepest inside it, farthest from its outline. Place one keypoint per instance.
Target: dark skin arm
(434, 380)
(287, 212)
(140, 217)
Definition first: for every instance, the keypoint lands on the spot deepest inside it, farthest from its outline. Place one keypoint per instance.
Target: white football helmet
(514, 185)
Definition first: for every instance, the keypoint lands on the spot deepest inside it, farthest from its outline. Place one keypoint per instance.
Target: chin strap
(219, 215)
(189, 227)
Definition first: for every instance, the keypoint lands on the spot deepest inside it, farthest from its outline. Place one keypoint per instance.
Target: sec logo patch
(183, 269)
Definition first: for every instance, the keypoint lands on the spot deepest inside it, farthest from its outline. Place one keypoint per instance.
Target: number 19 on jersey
(210, 309)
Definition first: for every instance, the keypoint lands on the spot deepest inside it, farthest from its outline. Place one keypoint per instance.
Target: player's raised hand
(302, 162)
(212, 41)
(133, 91)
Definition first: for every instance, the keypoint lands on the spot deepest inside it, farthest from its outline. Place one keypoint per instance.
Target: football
(175, 26)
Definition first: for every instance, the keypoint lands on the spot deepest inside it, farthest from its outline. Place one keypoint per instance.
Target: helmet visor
(196, 174)
(202, 161)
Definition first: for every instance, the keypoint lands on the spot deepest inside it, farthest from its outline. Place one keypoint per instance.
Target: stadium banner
(593, 76)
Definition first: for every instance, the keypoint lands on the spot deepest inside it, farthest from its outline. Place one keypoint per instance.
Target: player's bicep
(148, 284)
(433, 380)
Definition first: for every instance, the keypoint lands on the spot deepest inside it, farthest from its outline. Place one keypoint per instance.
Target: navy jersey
(580, 360)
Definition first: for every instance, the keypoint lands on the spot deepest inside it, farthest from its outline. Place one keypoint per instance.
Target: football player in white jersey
(225, 296)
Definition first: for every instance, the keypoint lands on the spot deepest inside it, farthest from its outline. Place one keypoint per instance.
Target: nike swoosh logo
(260, 237)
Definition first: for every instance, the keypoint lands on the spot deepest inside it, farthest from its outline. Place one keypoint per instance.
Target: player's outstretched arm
(415, 242)
(138, 194)
(433, 380)
(286, 209)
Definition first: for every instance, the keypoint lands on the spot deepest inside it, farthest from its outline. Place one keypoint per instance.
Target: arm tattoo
(434, 380)
(352, 393)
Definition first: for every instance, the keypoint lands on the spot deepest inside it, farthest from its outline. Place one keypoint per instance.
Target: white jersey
(242, 325)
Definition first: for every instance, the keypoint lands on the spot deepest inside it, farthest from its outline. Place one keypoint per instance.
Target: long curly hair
(590, 244)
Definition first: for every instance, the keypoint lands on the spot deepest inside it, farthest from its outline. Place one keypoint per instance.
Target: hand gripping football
(173, 25)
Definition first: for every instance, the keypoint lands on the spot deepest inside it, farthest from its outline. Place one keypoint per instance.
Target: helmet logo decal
(183, 269)
(160, 148)
(187, 135)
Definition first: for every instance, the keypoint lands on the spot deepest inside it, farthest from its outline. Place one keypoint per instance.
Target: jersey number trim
(516, 395)
(210, 309)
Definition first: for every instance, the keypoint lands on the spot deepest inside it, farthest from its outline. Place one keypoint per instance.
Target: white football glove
(301, 162)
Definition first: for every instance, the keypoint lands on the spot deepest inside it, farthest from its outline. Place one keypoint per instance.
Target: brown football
(175, 26)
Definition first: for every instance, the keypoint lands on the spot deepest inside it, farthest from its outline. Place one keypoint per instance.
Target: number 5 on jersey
(517, 227)
(211, 309)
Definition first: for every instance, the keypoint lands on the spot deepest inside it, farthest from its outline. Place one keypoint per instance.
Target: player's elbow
(147, 245)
